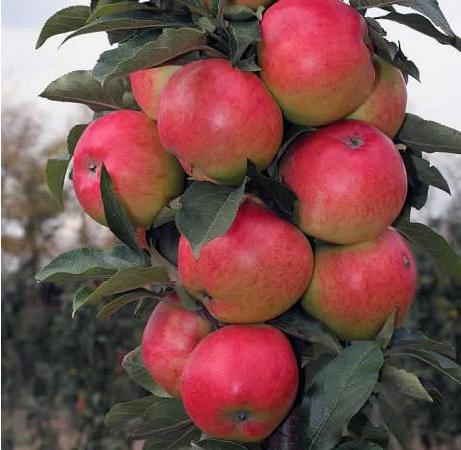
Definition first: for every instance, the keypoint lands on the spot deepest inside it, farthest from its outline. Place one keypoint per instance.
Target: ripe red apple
(214, 118)
(355, 288)
(252, 273)
(350, 181)
(240, 382)
(386, 105)
(145, 177)
(170, 336)
(315, 59)
(148, 84)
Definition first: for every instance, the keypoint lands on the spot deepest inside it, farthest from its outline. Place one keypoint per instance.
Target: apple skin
(240, 382)
(170, 336)
(214, 117)
(148, 84)
(350, 181)
(355, 288)
(144, 175)
(386, 105)
(315, 59)
(252, 273)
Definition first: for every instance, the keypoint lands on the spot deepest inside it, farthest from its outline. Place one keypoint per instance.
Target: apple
(214, 117)
(315, 59)
(148, 84)
(240, 382)
(144, 175)
(350, 181)
(254, 272)
(170, 336)
(386, 105)
(356, 287)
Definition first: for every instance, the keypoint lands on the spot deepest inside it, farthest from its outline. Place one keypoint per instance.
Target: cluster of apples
(207, 119)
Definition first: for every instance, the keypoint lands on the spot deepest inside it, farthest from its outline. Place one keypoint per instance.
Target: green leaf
(432, 243)
(404, 338)
(65, 20)
(171, 439)
(394, 420)
(122, 300)
(217, 444)
(385, 334)
(186, 300)
(148, 50)
(240, 13)
(424, 26)
(405, 382)
(55, 174)
(361, 445)
(427, 136)
(242, 36)
(295, 323)
(429, 8)
(196, 6)
(79, 297)
(129, 21)
(440, 362)
(122, 413)
(74, 135)
(338, 391)
(407, 67)
(276, 195)
(119, 7)
(426, 173)
(88, 263)
(116, 217)
(123, 280)
(80, 86)
(207, 211)
(136, 370)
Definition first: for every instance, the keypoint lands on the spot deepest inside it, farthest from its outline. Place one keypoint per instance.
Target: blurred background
(60, 376)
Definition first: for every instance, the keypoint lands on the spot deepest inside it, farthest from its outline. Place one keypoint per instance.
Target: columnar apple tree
(256, 161)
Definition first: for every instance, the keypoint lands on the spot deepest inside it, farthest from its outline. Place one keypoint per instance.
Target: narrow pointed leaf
(55, 175)
(406, 383)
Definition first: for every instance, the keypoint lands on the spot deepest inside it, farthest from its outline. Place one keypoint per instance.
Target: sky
(26, 71)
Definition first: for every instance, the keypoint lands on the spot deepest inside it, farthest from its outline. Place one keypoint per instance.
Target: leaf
(136, 370)
(361, 445)
(385, 334)
(426, 173)
(73, 137)
(440, 362)
(186, 300)
(405, 382)
(394, 420)
(177, 438)
(217, 444)
(119, 302)
(130, 21)
(119, 7)
(207, 211)
(123, 280)
(424, 26)
(295, 323)
(122, 413)
(276, 195)
(407, 67)
(80, 86)
(148, 50)
(240, 13)
(196, 6)
(404, 338)
(65, 20)
(429, 8)
(116, 217)
(338, 391)
(88, 263)
(55, 174)
(427, 136)
(432, 243)
(242, 36)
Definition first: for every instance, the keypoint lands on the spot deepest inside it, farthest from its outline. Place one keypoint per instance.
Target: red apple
(214, 118)
(355, 288)
(350, 181)
(252, 273)
(170, 335)
(148, 84)
(386, 105)
(145, 177)
(315, 59)
(240, 382)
